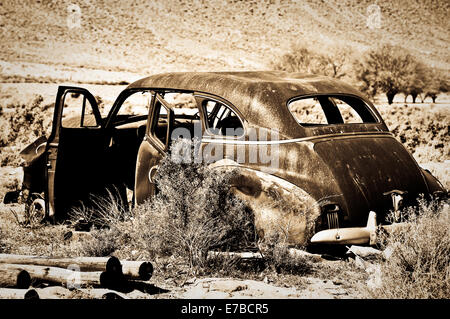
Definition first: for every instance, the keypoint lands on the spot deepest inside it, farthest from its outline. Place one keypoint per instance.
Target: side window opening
(326, 110)
(185, 120)
(136, 104)
(185, 113)
(77, 111)
(308, 111)
(160, 125)
(221, 120)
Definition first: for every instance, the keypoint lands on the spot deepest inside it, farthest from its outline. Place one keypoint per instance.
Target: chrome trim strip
(208, 139)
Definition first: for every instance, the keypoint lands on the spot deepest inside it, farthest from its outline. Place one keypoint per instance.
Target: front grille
(333, 220)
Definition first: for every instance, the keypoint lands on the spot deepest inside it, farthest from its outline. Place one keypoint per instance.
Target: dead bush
(277, 257)
(419, 261)
(105, 211)
(193, 212)
(27, 122)
(3, 245)
(103, 243)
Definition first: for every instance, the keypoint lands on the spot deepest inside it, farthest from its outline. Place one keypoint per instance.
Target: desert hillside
(143, 37)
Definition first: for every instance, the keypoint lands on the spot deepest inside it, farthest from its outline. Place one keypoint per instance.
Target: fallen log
(56, 292)
(365, 252)
(14, 293)
(293, 252)
(16, 278)
(231, 254)
(62, 276)
(77, 235)
(109, 264)
(142, 270)
(257, 255)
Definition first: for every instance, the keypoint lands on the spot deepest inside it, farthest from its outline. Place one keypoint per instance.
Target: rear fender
(435, 187)
(281, 209)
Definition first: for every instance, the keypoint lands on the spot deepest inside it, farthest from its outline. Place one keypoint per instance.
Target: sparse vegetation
(277, 257)
(103, 243)
(419, 261)
(3, 247)
(387, 69)
(193, 212)
(20, 126)
(334, 62)
(424, 134)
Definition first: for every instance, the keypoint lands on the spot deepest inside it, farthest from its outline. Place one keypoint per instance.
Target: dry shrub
(193, 212)
(3, 245)
(232, 265)
(21, 127)
(103, 211)
(103, 243)
(419, 264)
(424, 133)
(277, 257)
(106, 216)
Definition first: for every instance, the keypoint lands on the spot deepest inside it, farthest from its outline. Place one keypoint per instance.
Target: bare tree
(416, 81)
(334, 62)
(387, 69)
(299, 59)
(437, 83)
(302, 59)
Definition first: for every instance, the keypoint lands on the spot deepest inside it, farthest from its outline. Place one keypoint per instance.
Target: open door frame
(53, 140)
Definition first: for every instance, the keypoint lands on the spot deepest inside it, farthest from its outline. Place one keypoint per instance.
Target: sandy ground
(229, 288)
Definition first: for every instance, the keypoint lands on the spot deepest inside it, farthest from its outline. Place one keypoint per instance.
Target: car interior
(129, 129)
(90, 154)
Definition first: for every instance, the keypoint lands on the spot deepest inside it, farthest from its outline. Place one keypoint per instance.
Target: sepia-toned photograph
(204, 152)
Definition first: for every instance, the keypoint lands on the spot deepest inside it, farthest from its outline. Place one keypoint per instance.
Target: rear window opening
(330, 109)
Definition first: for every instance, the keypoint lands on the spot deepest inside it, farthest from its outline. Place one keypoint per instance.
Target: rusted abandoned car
(313, 156)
